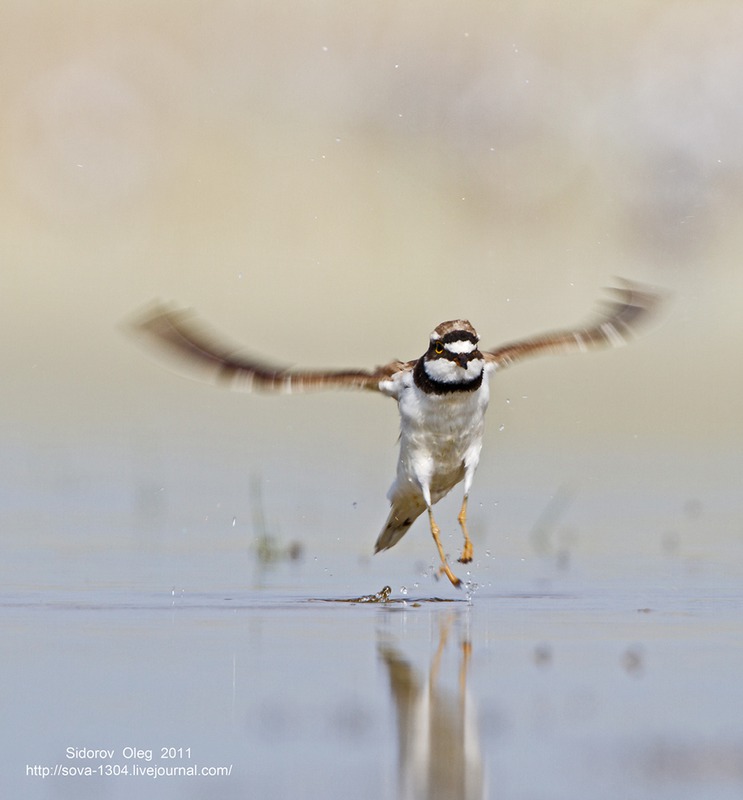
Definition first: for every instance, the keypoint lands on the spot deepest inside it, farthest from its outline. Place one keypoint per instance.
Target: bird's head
(453, 361)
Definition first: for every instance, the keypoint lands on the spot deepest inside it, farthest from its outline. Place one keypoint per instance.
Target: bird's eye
(438, 348)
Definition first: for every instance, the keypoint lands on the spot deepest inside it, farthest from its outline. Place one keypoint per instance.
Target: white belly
(440, 438)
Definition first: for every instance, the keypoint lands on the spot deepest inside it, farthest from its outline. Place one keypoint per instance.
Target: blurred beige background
(326, 182)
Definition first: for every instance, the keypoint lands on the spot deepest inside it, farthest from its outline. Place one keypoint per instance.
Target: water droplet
(501, 428)
(234, 521)
(403, 590)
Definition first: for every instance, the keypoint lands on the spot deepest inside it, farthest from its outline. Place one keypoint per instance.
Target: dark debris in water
(383, 597)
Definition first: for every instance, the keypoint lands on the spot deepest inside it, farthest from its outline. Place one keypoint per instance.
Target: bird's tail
(404, 512)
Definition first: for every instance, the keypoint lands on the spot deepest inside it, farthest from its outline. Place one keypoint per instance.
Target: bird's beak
(463, 360)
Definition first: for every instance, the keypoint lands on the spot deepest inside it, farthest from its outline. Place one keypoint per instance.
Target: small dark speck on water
(543, 655)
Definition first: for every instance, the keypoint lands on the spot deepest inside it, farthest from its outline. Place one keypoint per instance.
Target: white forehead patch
(460, 346)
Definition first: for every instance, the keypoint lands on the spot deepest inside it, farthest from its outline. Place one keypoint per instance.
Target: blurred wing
(207, 358)
(616, 325)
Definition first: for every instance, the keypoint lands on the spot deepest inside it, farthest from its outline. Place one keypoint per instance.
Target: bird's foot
(467, 553)
(444, 569)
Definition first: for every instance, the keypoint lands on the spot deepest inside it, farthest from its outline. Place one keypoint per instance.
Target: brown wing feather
(613, 327)
(206, 357)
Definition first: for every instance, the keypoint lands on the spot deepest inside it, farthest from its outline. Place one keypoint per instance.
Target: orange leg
(467, 550)
(445, 568)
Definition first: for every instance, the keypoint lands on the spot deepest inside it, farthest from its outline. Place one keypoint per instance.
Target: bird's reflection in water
(439, 746)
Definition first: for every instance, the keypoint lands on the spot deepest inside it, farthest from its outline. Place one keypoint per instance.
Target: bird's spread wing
(614, 326)
(205, 357)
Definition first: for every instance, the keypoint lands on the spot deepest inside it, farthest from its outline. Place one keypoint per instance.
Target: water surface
(595, 687)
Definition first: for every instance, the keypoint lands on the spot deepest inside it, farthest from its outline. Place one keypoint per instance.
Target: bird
(442, 396)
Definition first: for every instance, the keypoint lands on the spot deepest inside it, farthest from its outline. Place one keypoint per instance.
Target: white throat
(445, 371)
